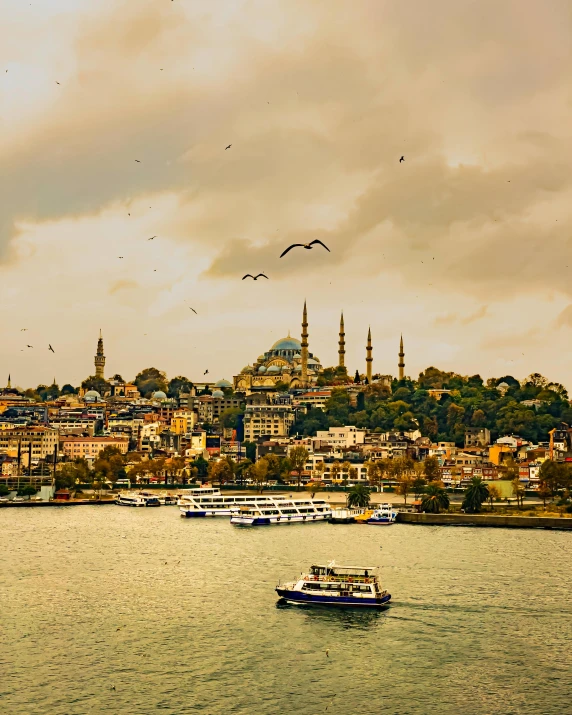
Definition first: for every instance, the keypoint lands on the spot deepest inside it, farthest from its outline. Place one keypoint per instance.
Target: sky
(114, 118)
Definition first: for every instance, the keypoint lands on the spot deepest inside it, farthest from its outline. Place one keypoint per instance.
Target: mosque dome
(246, 369)
(262, 368)
(223, 384)
(92, 396)
(273, 369)
(260, 358)
(159, 395)
(287, 344)
(218, 393)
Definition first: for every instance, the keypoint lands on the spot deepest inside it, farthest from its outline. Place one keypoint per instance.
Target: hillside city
(287, 420)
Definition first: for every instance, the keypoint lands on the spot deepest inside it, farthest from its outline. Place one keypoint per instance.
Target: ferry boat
(137, 500)
(222, 505)
(333, 585)
(289, 511)
(382, 515)
(164, 499)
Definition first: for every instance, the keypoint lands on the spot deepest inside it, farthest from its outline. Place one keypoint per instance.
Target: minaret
(304, 347)
(9, 385)
(369, 358)
(401, 363)
(342, 344)
(99, 358)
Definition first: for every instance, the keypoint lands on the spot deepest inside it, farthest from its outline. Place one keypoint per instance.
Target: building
(267, 421)
(99, 359)
(90, 447)
(342, 436)
(44, 441)
(287, 361)
(477, 437)
(183, 421)
(315, 400)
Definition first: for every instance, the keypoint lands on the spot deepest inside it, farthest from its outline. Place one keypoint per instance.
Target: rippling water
(480, 622)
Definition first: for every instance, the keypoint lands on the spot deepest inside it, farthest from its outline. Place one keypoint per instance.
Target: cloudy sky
(465, 247)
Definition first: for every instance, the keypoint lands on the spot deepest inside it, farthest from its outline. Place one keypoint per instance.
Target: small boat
(137, 500)
(345, 516)
(383, 515)
(333, 585)
(294, 511)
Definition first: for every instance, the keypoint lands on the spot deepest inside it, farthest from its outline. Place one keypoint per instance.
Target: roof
(288, 343)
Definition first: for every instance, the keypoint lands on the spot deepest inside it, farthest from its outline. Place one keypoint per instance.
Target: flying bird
(22, 330)
(57, 82)
(402, 159)
(227, 147)
(152, 237)
(29, 346)
(137, 160)
(51, 348)
(206, 372)
(304, 245)
(119, 256)
(255, 278)
(194, 311)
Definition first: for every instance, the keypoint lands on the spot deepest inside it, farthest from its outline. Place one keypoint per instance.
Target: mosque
(289, 361)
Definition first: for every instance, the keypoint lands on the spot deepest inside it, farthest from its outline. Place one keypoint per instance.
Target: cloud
(121, 285)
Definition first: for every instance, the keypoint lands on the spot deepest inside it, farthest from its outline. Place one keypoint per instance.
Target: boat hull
(379, 522)
(204, 513)
(268, 520)
(309, 599)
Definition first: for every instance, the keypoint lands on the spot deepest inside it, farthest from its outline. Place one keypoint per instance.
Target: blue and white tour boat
(137, 500)
(193, 506)
(283, 511)
(333, 585)
(383, 515)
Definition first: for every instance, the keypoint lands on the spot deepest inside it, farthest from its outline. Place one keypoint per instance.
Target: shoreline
(487, 520)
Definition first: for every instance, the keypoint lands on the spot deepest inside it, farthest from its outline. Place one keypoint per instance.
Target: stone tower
(9, 385)
(401, 363)
(369, 358)
(99, 359)
(304, 353)
(342, 344)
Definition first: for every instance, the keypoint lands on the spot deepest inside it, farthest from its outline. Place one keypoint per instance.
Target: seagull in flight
(194, 311)
(206, 372)
(402, 159)
(119, 256)
(137, 160)
(304, 245)
(29, 346)
(152, 237)
(22, 330)
(51, 348)
(248, 275)
(227, 147)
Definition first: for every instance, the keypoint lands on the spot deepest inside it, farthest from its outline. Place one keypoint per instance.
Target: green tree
(404, 485)
(201, 465)
(177, 385)
(68, 389)
(221, 471)
(151, 380)
(518, 491)
(250, 450)
(431, 470)
(358, 497)
(259, 474)
(475, 494)
(434, 499)
(96, 383)
(229, 417)
(4, 491)
(494, 493)
(298, 457)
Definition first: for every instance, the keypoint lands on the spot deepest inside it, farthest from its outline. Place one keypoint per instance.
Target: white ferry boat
(289, 511)
(333, 585)
(137, 500)
(222, 505)
(164, 498)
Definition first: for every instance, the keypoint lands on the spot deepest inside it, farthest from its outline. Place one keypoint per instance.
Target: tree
(358, 497)
(518, 491)
(346, 466)
(68, 389)
(250, 450)
(96, 383)
(335, 470)
(475, 494)
(229, 418)
(494, 493)
(374, 475)
(259, 474)
(544, 492)
(27, 491)
(221, 471)
(150, 380)
(404, 485)
(201, 465)
(319, 469)
(431, 469)
(357, 379)
(352, 474)
(72, 473)
(298, 457)
(434, 499)
(281, 386)
(4, 491)
(177, 385)
(313, 486)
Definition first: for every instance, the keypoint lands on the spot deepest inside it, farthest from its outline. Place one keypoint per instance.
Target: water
(481, 620)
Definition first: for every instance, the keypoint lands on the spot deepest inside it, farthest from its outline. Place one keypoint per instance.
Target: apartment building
(90, 447)
(267, 420)
(43, 440)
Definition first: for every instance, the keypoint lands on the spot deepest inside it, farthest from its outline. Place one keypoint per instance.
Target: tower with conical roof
(99, 359)
(368, 358)
(401, 363)
(342, 344)
(304, 344)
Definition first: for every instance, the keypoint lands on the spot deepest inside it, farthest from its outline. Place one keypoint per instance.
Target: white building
(267, 420)
(342, 436)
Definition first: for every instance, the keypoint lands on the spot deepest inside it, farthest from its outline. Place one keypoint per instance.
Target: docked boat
(382, 515)
(222, 505)
(333, 585)
(164, 499)
(137, 500)
(287, 511)
(345, 516)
